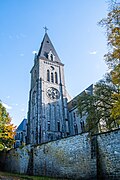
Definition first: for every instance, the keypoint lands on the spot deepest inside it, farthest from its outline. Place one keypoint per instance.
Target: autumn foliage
(102, 109)
(7, 129)
(112, 25)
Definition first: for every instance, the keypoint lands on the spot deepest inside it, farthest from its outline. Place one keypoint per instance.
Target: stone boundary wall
(17, 160)
(108, 156)
(76, 157)
(66, 158)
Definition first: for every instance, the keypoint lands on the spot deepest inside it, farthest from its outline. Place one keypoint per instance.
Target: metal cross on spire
(46, 29)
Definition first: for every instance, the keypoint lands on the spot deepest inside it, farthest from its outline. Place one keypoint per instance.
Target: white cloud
(34, 52)
(17, 36)
(6, 106)
(21, 54)
(93, 52)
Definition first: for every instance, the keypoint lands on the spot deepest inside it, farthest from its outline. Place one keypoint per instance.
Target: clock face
(53, 93)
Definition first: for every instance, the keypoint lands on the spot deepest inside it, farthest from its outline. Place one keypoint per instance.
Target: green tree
(112, 25)
(98, 107)
(116, 80)
(7, 130)
(103, 107)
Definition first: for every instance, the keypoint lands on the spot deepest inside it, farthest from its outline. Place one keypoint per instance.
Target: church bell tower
(47, 112)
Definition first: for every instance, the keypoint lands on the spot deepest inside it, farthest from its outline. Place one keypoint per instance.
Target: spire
(47, 49)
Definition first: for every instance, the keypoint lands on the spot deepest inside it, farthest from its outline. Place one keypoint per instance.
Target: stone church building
(52, 114)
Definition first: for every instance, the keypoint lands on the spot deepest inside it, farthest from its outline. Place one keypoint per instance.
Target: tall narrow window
(76, 129)
(49, 112)
(48, 75)
(58, 124)
(74, 116)
(51, 57)
(48, 125)
(82, 126)
(56, 78)
(52, 78)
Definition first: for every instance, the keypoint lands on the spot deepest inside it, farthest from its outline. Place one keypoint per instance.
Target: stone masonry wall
(66, 158)
(17, 160)
(74, 157)
(109, 155)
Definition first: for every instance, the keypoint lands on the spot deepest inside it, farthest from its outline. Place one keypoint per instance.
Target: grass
(25, 177)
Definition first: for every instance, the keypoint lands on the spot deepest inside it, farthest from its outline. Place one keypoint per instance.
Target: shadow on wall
(3, 155)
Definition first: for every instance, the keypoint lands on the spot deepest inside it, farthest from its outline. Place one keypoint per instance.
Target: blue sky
(73, 30)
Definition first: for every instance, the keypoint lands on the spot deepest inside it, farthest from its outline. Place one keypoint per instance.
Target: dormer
(51, 57)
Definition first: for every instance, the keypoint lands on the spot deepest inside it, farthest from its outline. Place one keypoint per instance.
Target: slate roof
(46, 47)
(73, 103)
(22, 126)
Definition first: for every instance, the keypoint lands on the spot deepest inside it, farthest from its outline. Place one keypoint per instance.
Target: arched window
(51, 57)
(48, 125)
(82, 126)
(75, 129)
(56, 78)
(52, 78)
(48, 75)
(58, 126)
